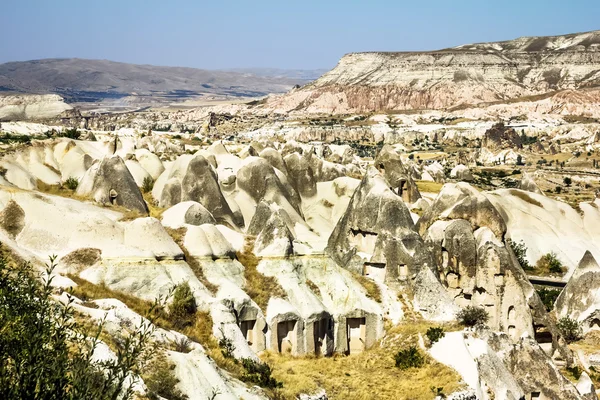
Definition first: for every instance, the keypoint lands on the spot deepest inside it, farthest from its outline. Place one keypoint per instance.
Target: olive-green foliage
(434, 334)
(46, 354)
(410, 357)
(550, 262)
(472, 316)
(161, 380)
(71, 183)
(570, 329)
(71, 133)
(183, 308)
(259, 373)
(520, 251)
(147, 185)
(548, 297)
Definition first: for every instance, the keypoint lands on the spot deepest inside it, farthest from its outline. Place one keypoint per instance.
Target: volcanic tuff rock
(468, 74)
(17, 107)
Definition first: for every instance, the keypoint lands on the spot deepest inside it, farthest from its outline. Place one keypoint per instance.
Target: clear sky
(266, 33)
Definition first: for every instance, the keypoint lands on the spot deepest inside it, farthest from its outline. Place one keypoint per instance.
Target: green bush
(161, 380)
(71, 183)
(520, 251)
(567, 181)
(259, 374)
(550, 262)
(71, 133)
(570, 329)
(409, 358)
(472, 316)
(548, 297)
(46, 354)
(183, 308)
(147, 185)
(434, 334)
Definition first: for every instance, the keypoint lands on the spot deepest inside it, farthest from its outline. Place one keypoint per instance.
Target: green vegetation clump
(549, 263)
(410, 357)
(70, 133)
(183, 308)
(472, 316)
(147, 184)
(45, 353)
(259, 374)
(570, 329)
(161, 380)
(71, 183)
(548, 297)
(434, 334)
(520, 251)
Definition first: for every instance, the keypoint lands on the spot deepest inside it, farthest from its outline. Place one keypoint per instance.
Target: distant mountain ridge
(81, 79)
(464, 75)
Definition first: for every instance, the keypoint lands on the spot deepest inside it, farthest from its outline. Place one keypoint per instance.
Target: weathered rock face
(389, 164)
(580, 299)
(110, 182)
(500, 137)
(469, 74)
(479, 269)
(19, 107)
(200, 184)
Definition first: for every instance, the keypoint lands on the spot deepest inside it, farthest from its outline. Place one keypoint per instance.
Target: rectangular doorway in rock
(375, 271)
(402, 272)
(544, 338)
(364, 241)
(320, 335)
(247, 328)
(535, 396)
(357, 333)
(285, 336)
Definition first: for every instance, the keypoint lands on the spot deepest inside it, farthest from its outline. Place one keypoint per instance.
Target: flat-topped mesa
(468, 74)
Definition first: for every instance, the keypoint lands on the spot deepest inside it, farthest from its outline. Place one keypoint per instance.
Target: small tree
(550, 262)
(472, 316)
(567, 181)
(570, 329)
(409, 358)
(548, 296)
(520, 251)
(148, 184)
(183, 307)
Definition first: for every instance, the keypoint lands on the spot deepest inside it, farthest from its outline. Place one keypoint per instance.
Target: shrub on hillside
(183, 308)
(570, 329)
(434, 334)
(410, 357)
(472, 316)
(161, 380)
(45, 353)
(71, 133)
(71, 183)
(147, 185)
(259, 373)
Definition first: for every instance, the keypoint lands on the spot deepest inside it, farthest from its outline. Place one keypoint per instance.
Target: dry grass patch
(526, 197)
(259, 287)
(370, 286)
(371, 374)
(429, 187)
(58, 190)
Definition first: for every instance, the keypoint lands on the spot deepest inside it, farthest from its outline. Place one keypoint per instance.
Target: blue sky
(281, 34)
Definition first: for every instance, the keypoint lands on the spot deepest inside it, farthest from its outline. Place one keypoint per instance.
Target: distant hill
(92, 80)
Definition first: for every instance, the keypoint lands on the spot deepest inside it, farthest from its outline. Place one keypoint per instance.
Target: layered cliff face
(469, 74)
(22, 106)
